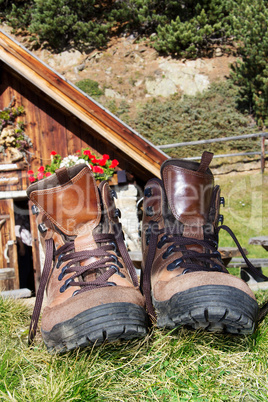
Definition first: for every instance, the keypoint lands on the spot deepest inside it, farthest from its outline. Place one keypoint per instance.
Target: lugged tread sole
(108, 322)
(215, 308)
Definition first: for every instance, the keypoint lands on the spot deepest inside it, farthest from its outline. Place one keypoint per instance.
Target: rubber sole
(212, 307)
(108, 322)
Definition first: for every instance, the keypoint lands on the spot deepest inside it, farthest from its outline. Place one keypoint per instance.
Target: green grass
(246, 209)
(176, 365)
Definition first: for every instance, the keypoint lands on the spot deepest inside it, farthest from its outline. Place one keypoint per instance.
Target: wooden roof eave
(80, 105)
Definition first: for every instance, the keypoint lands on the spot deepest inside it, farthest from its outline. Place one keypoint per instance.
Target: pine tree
(198, 27)
(250, 25)
(60, 21)
(16, 13)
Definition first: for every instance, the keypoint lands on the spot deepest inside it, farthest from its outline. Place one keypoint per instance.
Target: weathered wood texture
(48, 128)
(7, 278)
(8, 246)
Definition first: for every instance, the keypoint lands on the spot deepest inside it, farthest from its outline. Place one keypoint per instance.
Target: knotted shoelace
(190, 260)
(106, 261)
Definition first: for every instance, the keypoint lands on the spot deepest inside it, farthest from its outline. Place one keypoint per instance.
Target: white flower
(82, 161)
(72, 160)
(69, 161)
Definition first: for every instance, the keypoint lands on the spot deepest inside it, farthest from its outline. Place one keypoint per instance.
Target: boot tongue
(69, 199)
(189, 187)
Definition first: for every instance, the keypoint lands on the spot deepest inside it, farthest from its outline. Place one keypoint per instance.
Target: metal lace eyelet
(221, 219)
(115, 258)
(66, 284)
(217, 267)
(175, 264)
(222, 201)
(35, 210)
(113, 193)
(61, 275)
(75, 293)
(117, 213)
(217, 254)
(112, 243)
(169, 251)
(149, 211)
(59, 260)
(42, 228)
(117, 271)
(162, 241)
(148, 192)
(115, 249)
(110, 283)
(186, 271)
(215, 243)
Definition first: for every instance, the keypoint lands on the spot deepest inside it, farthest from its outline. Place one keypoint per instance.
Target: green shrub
(196, 29)
(61, 21)
(90, 87)
(144, 16)
(212, 114)
(17, 13)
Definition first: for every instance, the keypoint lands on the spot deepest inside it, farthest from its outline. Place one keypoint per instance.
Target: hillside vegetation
(187, 29)
(212, 114)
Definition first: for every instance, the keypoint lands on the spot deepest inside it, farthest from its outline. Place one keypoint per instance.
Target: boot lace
(107, 264)
(190, 260)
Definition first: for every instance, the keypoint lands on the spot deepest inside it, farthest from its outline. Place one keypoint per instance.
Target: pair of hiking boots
(93, 293)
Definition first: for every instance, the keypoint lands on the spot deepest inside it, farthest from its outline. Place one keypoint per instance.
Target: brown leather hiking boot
(184, 279)
(92, 287)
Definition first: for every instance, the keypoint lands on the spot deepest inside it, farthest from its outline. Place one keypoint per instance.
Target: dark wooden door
(8, 247)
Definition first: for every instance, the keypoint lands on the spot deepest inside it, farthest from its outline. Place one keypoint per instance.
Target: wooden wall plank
(73, 136)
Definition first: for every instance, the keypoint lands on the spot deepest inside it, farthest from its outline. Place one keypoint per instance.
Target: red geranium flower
(41, 169)
(102, 162)
(53, 153)
(40, 175)
(114, 164)
(88, 153)
(48, 174)
(32, 179)
(94, 160)
(30, 172)
(97, 169)
(106, 157)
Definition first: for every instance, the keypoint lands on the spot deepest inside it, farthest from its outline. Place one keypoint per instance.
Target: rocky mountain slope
(133, 72)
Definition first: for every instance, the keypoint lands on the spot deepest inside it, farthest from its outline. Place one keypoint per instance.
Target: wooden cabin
(58, 117)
